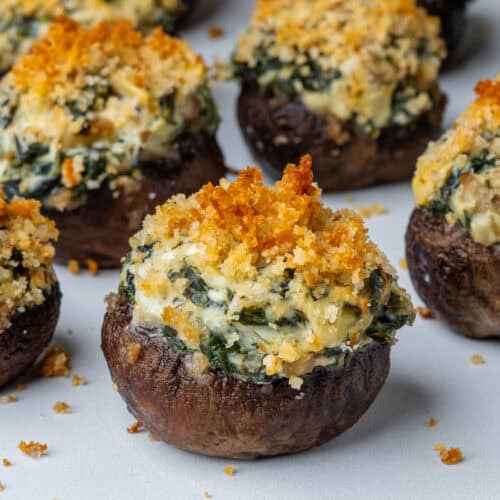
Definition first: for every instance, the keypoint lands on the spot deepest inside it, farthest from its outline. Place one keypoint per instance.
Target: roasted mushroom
(452, 14)
(318, 77)
(23, 21)
(29, 292)
(453, 238)
(102, 125)
(251, 320)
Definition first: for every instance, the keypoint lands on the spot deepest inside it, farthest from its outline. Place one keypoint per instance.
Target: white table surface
(387, 455)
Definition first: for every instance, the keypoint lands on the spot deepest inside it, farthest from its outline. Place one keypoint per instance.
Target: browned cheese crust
(344, 156)
(27, 337)
(452, 14)
(100, 229)
(221, 416)
(456, 277)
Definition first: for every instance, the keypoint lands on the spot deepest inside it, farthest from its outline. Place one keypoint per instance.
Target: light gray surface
(388, 455)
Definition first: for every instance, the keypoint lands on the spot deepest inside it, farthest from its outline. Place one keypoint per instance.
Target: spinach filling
(478, 163)
(234, 348)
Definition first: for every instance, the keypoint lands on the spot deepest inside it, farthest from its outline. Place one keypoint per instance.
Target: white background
(387, 455)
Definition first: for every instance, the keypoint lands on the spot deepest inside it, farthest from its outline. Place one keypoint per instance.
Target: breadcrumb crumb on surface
(229, 470)
(477, 359)
(134, 351)
(1, 486)
(6, 462)
(134, 428)
(20, 387)
(425, 313)
(78, 380)
(371, 210)
(33, 449)
(403, 264)
(73, 266)
(93, 267)
(449, 456)
(206, 494)
(56, 363)
(431, 422)
(10, 398)
(215, 32)
(62, 407)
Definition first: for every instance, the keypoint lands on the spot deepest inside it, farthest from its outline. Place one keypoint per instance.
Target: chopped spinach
(214, 348)
(171, 336)
(293, 319)
(127, 289)
(253, 316)
(284, 285)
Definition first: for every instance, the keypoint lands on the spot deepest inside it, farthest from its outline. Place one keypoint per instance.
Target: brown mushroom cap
(27, 337)
(456, 277)
(100, 229)
(217, 415)
(453, 20)
(279, 133)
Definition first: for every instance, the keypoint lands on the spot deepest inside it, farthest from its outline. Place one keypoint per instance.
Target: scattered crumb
(295, 382)
(215, 32)
(78, 380)
(10, 398)
(1, 486)
(93, 267)
(425, 313)
(21, 387)
(371, 210)
(153, 438)
(134, 428)
(206, 494)
(134, 351)
(229, 470)
(33, 449)
(477, 359)
(114, 387)
(403, 264)
(431, 422)
(56, 363)
(62, 407)
(73, 266)
(6, 462)
(449, 456)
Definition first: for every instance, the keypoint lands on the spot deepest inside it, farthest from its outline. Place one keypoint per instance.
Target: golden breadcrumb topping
(78, 380)
(33, 448)
(353, 59)
(58, 64)
(26, 253)
(462, 170)
(477, 359)
(134, 351)
(62, 407)
(9, 398)
(449, 456)
(6, 462)
(431, 422)
(134, 428)
(56, 363)
(425, 312)
(229, 470)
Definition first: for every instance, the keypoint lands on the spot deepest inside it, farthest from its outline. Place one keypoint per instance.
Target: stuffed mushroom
(29, 292)
(251, 320)
(318, 77)
(23, 21)
(453, 238)
(101, 125)
(452, 14)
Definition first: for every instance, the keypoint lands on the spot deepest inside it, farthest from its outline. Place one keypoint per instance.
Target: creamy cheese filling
(331, 57)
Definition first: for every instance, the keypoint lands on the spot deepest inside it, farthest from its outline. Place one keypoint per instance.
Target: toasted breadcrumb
(33, 449)
(73, 266)
(215, 31)
(1, 486)
(114, 387)
(21, 387)
(56, 363)
(78, 380)
(62, 407)
(6, 462)
(403, 264)
(206, 494)
(449, 456)
(134, 351)
(431, 422)
(10, 398)
(93, 267)
(477, 359)
(425, 313)
(371, 210)
(134, 428)
(229, 470)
